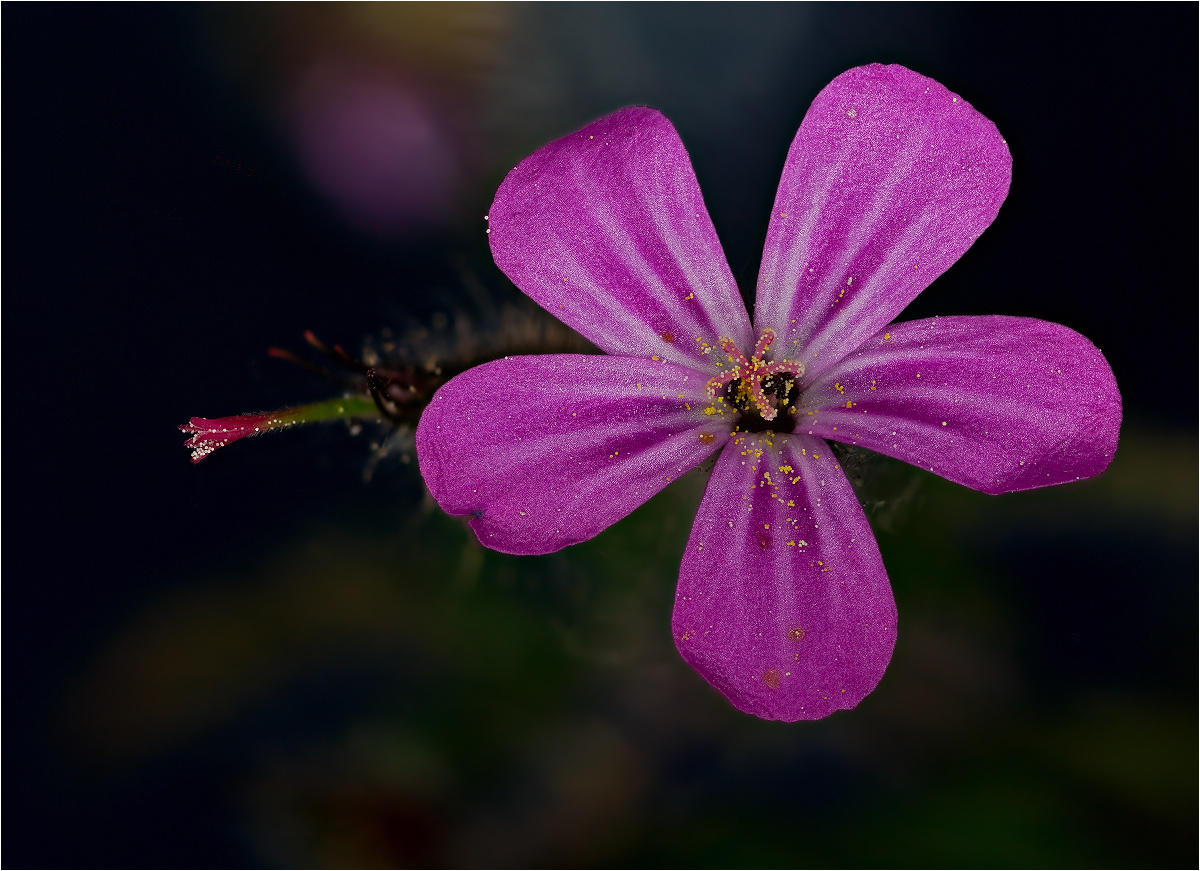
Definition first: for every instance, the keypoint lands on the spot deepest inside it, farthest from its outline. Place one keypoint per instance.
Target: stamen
(735, 356)
(714, 385)
(765, 408)
(790, 366)
(764, 343)
(753, 372)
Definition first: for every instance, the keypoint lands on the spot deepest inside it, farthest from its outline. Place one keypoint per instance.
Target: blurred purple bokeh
(374, 145)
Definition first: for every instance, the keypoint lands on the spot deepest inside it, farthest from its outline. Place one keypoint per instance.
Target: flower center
(758, 389)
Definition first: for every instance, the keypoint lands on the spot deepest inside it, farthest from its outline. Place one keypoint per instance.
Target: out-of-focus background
(266, 660)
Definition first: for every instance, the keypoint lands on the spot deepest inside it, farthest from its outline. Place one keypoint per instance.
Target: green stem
(344, 408)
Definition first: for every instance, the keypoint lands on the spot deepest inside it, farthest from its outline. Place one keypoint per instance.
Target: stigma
(756, 383)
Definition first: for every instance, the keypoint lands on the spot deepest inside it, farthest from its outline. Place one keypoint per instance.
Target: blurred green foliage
(533, 711)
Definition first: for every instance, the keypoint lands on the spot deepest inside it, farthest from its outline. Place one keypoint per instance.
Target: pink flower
(783, 603)
(213, 433)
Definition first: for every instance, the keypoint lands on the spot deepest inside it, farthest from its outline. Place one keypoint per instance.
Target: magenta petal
(543, 452)
(606, 229)
(783, 602)
(995, 403)
(889, 180)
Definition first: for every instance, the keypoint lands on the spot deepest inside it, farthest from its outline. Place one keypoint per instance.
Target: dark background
(263, 660)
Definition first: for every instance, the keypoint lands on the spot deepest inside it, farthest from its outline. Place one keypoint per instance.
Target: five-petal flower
(783, 603)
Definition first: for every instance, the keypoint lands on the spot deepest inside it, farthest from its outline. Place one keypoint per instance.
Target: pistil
(754, 372)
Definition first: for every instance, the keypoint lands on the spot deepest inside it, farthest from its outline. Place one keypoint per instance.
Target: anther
(753, 373)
